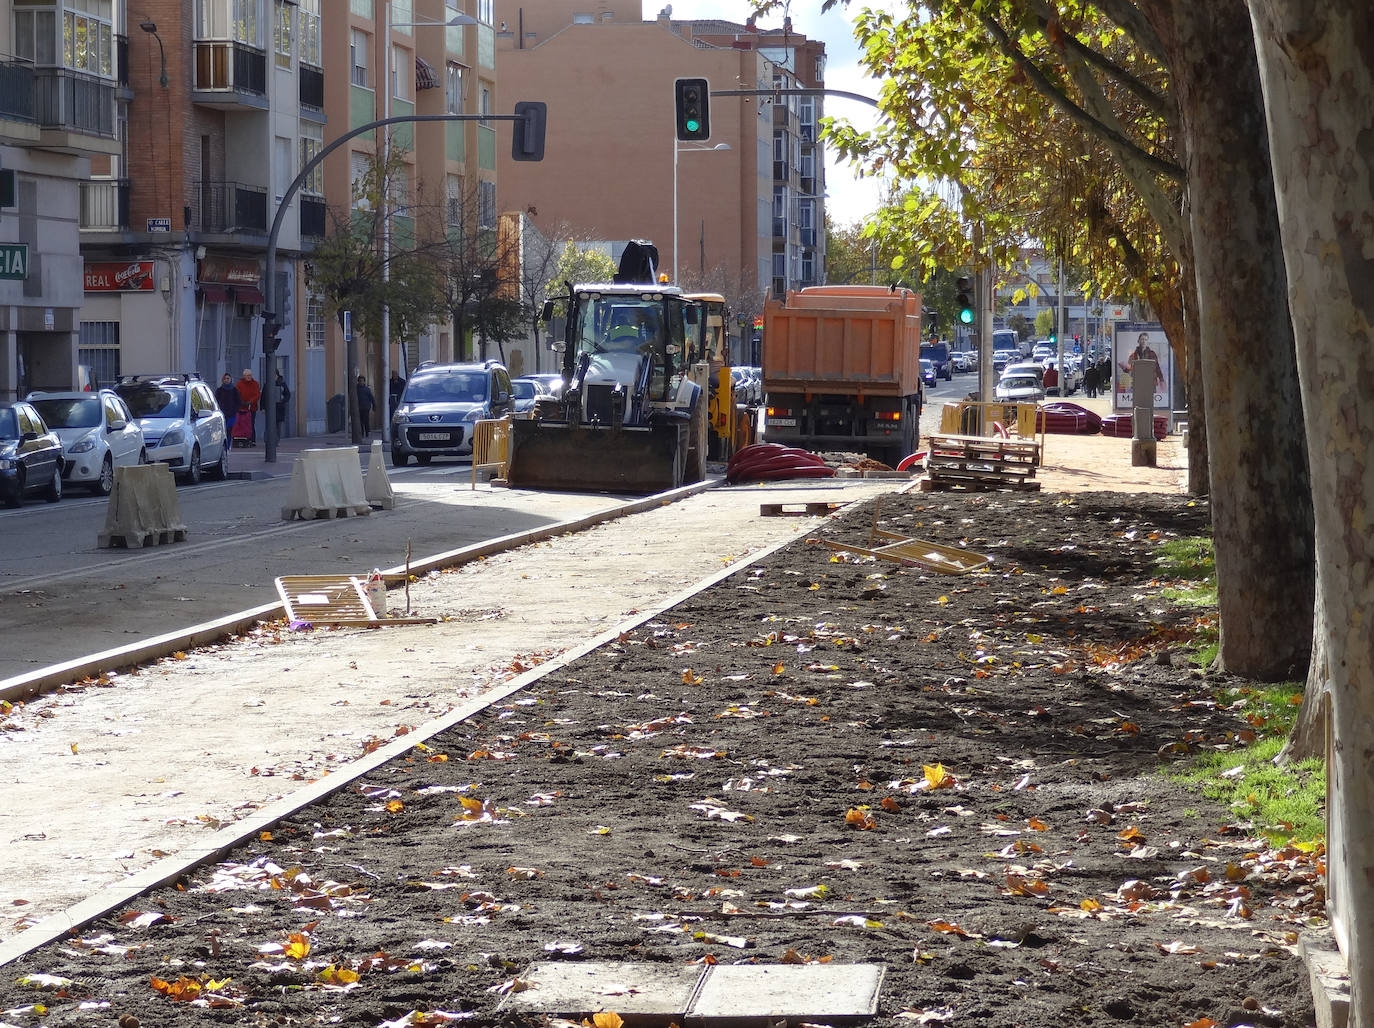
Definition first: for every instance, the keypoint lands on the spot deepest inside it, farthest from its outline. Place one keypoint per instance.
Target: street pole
(675, 153)
(383, 393)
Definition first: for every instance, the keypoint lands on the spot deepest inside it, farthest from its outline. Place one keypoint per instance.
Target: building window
(779, 147)
(486, 11)
(312, 142)
(237, 20)
(779, 201)
(402, 15)
(583, 19)
(453, 88)
(362, 8)
(310, 32)
(454, 207)
(402, 74)
(453, 35)
(98, 349)
(359, 168)
(282, 172)
(806, 164)
(283, 26)
(399, 191)
(35, 36)
(316, 327)
(88, 38)
(486, 205)
(808, 267)
(357, 54)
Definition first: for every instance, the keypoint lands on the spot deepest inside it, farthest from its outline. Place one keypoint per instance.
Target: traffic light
(527, 141)
(1053, 339)
(693, 101)
(271, 332)
(963, 300)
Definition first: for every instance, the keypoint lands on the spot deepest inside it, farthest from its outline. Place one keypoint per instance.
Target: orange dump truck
(841, 370)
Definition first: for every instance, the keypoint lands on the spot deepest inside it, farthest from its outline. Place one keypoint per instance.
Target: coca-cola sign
(119, 276)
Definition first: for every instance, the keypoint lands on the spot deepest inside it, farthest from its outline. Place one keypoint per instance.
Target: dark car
(929, 375)
(30, 455)
(441, 406)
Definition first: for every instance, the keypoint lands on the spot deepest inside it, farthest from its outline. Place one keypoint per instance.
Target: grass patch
(1284, 803)
(1192, 562)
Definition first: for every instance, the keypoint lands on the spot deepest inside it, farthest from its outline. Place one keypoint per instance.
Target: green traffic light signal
(965, 316)
(692, 100)
(963, 300)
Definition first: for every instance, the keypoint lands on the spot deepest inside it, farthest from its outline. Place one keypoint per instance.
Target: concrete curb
(148, 650)
(170, 869)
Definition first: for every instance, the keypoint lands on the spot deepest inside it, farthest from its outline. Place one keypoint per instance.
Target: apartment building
(60, 72)
(741, 214)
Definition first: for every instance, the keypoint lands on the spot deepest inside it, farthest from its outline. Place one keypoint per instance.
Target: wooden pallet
(912, 552)
(980, 462)
(334, 600)
(975, 484)
(792, 510)
(142, 539)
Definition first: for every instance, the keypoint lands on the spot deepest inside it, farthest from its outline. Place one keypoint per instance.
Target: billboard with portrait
(1134, 340)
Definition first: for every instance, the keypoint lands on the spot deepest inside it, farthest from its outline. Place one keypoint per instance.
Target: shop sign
(119, 276)
(229, 271)
(14, 261)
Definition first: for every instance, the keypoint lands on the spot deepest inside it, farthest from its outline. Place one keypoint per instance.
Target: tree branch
(1076, 114)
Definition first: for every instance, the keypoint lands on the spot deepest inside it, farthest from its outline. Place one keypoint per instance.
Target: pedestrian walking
(283, 398)
(1090, 380)
(250, 398)
(228, 399)
(394, 388)
(366, 403)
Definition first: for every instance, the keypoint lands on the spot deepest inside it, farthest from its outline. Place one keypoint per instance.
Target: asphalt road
(63, 597)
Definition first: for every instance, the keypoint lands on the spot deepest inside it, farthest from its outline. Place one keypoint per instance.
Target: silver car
(182, 424)
(441, 406)
(98, 434)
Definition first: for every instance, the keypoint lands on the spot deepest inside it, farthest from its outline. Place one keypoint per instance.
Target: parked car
(965, 360)
(98, 434)
(440, 406)
(1042, 351)
(551, 381)
(928, 374)
(1072, 377)
(1002, 358)
(30, 455)
(182, 424)
(748, 384)
(1023, 382)
(526, 391)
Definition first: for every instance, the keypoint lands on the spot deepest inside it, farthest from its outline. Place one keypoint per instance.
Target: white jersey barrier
(326, 483)
(144, 509)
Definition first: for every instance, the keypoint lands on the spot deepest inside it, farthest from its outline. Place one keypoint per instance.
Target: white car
(1073, 378)
(98, 434)
(181, 422)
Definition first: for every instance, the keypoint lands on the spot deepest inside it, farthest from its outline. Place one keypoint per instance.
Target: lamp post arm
(268, 316)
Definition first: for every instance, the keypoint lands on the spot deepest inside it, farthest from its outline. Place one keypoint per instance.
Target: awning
(425, 76)
(214, 292)
(248, 294)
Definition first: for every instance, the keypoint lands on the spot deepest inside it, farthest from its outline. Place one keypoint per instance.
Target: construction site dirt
(822, 757)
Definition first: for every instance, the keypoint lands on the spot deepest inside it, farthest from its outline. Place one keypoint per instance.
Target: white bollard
(377, 486)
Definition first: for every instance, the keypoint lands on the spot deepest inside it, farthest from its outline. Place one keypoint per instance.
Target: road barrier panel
(143, 509)
(326, 483)
(491, 448)
(377, 486)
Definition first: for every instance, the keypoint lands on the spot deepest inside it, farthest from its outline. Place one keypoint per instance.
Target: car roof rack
(160, 376)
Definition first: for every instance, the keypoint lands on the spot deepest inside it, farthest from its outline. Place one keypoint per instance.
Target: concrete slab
(809, 992)
(582, 989)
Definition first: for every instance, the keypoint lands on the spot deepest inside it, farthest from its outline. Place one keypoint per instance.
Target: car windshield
(9, 424)
(1021, 382)
(447, 387)
(70, 413)
(626, 324)
(150, 401)
(523, 390)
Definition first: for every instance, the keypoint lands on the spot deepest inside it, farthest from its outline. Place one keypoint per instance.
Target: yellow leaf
(395, 807)
(777, 670)
(942, 600)
(1032, 638)
(1038, 825)
(936, 776)
(73, 747)
(265, 836)
(607, 1019)
(297, 946)
(1090, 905)
(1059, 590)
(689, 678)
(217, 983)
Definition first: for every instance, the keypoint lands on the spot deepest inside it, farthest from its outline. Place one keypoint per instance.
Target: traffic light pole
(526, 116)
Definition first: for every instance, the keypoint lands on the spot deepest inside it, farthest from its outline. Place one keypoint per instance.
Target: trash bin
(335, 413)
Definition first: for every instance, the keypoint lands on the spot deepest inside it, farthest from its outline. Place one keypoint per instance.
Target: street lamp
(677, 150)
(150, 27)
(384, 390)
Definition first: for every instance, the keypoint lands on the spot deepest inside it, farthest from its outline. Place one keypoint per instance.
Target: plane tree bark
(1317, 66)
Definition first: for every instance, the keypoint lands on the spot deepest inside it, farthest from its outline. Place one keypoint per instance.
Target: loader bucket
(593, 458)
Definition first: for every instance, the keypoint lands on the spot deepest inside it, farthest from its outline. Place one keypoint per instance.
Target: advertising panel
(1133, 340)
(119, 276)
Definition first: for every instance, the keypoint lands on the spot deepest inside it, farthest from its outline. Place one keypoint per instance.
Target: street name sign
(14, 261)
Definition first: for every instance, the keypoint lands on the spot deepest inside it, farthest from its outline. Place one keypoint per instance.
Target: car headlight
(476, 414)
(175, 437)
(7, 464)
(400, 417)
(83, 445)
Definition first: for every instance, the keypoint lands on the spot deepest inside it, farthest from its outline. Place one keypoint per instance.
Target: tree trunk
(1260, 495)
(1316, 66)
(1307, 737)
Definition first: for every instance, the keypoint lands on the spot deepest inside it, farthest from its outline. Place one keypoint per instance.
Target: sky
(848, 197)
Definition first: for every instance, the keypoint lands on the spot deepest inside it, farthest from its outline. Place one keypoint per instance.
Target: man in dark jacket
(394, 388)
(366, 403)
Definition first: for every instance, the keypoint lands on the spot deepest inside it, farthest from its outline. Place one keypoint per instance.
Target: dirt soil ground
(825, 757)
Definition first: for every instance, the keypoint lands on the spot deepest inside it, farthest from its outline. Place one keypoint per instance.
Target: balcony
(808, 237)
(781, 172)
(312, 217)
(311, 87)
(782, 116)
(779, 228)
(72, 107)
(122, 61)
(105, 205)
(228, 207)
(17, 91)
(807, 131)
(230, 75)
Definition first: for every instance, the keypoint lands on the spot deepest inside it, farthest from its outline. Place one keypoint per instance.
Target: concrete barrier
(326, 484)
(377, 486)
(490, 448)
(143, 509)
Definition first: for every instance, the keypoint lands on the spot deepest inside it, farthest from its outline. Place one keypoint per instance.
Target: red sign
(119, 277)
(229, 271)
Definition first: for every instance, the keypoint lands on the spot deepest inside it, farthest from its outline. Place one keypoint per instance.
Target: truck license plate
(783, 422)
(433, 437)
